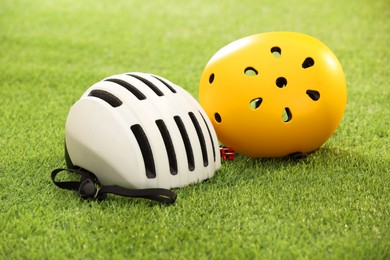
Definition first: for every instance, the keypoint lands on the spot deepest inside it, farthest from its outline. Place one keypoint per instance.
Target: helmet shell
(138, 130)
(274, 94)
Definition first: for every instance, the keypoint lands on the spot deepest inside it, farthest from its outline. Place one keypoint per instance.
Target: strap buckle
(88, 189)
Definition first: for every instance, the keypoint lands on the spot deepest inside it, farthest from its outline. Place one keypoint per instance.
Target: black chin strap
(88, 188)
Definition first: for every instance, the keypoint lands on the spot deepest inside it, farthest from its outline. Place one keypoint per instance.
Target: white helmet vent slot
(165, 83)
(106, 96)
(211, 136)
(187, 143)
(146, 150)
(149, 84)
(168, 146)
(201, 138)
(129, 87)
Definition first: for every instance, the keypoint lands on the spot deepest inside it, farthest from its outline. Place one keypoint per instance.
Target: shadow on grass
(331, 162)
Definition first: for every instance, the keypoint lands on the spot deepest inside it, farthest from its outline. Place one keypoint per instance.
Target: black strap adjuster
(88, 189)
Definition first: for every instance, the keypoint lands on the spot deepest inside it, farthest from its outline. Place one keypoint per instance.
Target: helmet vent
(129, 87)
(168, 146)
(286, 115)
(211, 78)
(218, 118)
(307, 63)
(149, 84)
(313, 94)
(201, 138)
(146, 150)
(276, 51)
(255, 103)
(281, 82)
(211, 137)
(106, 96)
(165, 83)
(250, 71)
(187, 143)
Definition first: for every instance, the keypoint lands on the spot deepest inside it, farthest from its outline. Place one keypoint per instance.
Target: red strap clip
(227, 153)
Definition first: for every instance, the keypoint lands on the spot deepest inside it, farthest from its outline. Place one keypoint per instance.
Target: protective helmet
(274, 94)
(140, 131)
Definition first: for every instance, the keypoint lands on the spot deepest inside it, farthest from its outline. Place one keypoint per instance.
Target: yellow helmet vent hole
(250, 71)
(211, 78)
(281, 82)
(286, 115)
(307, 63)
(217, 118)
(313, 94)
(276, 51)
(255, 103)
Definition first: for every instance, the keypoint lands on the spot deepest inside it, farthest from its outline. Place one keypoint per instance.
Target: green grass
(333, 205)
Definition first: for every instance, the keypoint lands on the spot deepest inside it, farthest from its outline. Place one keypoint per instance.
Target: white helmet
(140, 131)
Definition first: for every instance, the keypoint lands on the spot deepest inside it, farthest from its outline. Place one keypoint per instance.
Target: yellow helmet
(274, 94)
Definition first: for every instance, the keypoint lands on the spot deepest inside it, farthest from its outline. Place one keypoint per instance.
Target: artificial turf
(335, 204)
